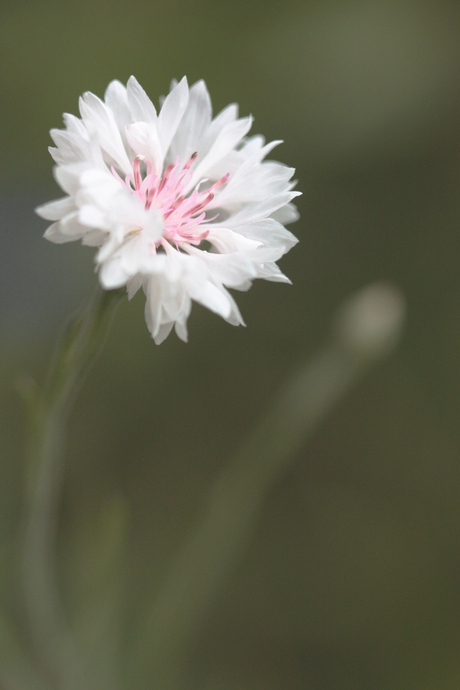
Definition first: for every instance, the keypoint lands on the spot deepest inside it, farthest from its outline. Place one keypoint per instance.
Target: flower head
(178, 203)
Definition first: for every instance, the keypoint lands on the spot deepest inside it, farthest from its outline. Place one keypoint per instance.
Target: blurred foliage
(352, 579)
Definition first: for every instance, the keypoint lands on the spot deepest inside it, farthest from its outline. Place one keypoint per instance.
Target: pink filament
(183, 215)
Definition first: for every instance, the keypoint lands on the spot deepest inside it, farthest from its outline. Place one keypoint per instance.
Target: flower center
(184, 216)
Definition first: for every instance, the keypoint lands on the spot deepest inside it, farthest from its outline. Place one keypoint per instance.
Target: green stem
(49, 413)
(226, 527)
(365, 329)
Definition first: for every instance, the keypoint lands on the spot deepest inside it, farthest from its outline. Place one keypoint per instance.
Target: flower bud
(370, 322)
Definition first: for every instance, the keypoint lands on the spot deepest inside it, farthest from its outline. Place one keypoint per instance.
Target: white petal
(193, 125)
(112, 274)
(71, 226)
(94, 237)
(94, 217)
(100, 119)
(54, 234)
(226, 116)
(134, 255)
(162, 332)
(55, 210)
(210, 296)
(181, 329)
(286, 214)
(144, 141)
(226, 240)
(152, 225)
(254, 147)
(68, 176)
(258, 211)
(230, 270)
(269, 232)
(133, 285)
(75, 126)
(235, 318)
(270, 271)
(253, 182)
(153, 308)
(70, 148)
(140, 105)
(171, 113)
(226, 140)
(98, 187)
(68, 229)
(150, 300)
(166, 303)
(116, 98)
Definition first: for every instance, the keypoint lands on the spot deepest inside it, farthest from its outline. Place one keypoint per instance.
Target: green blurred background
(352, 579)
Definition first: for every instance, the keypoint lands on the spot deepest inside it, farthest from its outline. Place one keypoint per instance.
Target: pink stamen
(190, 160)
(165, 177)
(137, 172)
(184, 216)
(201, 205)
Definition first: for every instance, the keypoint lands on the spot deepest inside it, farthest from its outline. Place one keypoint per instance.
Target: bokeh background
(352, 578)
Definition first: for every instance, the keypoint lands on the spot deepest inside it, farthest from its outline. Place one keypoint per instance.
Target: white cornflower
(178, 203)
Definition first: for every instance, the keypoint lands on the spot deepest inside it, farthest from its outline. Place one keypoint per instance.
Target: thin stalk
(226, 526)
(49, 413)
(365, 330)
